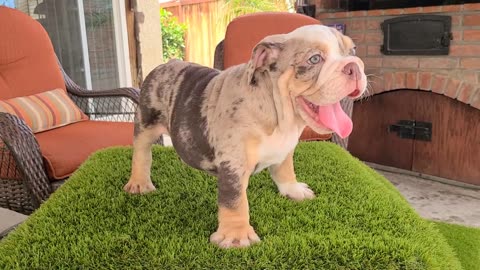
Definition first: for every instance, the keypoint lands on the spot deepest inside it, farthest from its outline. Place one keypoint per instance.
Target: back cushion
(44, 111)
(28, 64)
(244, 32)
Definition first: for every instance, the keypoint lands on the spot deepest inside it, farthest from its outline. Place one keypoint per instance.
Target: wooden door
(370, 140)
(454, 149)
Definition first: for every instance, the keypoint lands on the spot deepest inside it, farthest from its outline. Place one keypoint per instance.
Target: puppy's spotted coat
(249, 117)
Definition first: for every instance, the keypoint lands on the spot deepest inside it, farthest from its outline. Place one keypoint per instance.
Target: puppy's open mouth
(330, 116)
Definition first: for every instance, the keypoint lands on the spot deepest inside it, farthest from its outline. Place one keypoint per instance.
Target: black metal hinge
(411, 129)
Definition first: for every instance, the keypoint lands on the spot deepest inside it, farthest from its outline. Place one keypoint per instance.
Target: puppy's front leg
(283, 175)
(234, 229)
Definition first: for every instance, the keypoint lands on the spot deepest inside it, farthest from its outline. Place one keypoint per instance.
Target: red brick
(399, 80)
(465, 50)
(470, 76)
(438, 83)
(395, 11)
(356, 25)
(438, 62)
(374, 37)
(470, 63)
(339, 14)
(357, 37)
(465, 93)
(451, 8)
(400, 62)
(471, 20)
(375, 12)
(471, 35)
(457, 35)
(456, 20)
(412, 80)
(373, 50)
(471, 7)
(388, 80)
(451, 90)
(413, 10)
(358, 13)
(372, 62)
(373, 24)
(425, 80)
(432, 9)
(376, 83)
(323, 15)
(475, 101)
(361, 51)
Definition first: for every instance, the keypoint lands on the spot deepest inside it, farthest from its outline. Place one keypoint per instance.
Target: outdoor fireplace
(423, 62)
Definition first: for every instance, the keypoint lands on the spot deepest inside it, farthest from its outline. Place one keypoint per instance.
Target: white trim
(83, 35)
(121, 43)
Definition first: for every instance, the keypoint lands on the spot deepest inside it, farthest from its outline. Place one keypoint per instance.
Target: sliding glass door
(88, 37)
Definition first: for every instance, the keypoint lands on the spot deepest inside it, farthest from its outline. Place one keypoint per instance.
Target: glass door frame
(121, 43)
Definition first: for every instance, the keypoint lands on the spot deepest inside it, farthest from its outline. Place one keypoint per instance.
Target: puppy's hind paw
(296, 191)
(139, 187)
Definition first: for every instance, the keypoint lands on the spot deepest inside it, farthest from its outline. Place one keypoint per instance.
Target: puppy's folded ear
(264, 54)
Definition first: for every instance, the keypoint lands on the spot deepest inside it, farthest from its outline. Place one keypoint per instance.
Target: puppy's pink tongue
(334, 118)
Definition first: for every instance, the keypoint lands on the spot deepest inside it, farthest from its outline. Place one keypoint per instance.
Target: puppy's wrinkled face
(326, 70)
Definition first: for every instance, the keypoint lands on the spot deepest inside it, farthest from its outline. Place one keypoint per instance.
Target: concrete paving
(438, 201)
(431, 199)
(8, 219)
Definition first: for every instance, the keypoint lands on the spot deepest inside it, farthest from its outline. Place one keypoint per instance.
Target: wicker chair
(241, 40)
(25, 181)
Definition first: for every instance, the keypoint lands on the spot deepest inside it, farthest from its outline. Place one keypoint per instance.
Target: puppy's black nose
(352, 70)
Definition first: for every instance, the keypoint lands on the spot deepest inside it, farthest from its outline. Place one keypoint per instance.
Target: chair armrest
(109, 105)
(21, 142)
(127, 92)
(218, 56)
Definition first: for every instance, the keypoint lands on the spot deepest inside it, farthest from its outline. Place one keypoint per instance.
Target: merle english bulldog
(237, 122)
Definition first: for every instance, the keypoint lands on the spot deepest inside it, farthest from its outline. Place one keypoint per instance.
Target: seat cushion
(65, 149)
(244, 32)
(44, 111)
(28, 64)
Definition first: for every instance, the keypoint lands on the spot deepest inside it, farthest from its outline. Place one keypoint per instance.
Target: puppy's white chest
(275, 148)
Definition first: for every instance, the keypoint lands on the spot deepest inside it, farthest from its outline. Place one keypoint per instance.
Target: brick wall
(456, 75)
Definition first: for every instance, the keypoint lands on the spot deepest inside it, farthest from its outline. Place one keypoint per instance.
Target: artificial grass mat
(357, 221)
(465, 241)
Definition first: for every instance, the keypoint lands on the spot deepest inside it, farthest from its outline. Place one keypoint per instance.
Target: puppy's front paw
(134, 186)
(296, 191)
(228, 236)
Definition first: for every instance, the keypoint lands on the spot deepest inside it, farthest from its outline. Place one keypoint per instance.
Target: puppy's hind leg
(283, 175)
(140, 181)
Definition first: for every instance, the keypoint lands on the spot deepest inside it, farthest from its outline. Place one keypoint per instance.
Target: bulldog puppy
(249, 117)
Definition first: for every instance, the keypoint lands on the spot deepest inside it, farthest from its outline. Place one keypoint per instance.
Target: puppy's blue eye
(315, 59)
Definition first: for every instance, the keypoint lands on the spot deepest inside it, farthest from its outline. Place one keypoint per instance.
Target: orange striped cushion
(45, 110)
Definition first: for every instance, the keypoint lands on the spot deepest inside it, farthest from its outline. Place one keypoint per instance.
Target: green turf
(357, 221)
(465, 241)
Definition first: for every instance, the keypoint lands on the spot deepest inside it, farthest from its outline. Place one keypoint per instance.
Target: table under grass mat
(357, 221)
